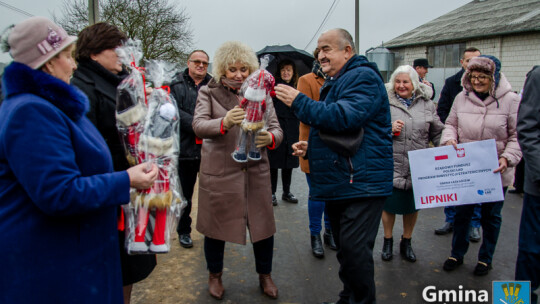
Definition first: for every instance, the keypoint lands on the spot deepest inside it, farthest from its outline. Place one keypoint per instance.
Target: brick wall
(518, 54)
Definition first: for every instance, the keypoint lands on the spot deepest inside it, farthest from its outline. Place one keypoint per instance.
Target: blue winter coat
(355, 98)
(58, 196)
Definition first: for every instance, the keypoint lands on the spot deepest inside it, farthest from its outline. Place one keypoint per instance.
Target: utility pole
(357, 25)
(93, 11)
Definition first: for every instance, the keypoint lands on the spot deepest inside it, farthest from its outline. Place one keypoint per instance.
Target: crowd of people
(64, 174)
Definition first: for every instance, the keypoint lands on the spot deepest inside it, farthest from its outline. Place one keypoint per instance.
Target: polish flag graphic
(441, 157)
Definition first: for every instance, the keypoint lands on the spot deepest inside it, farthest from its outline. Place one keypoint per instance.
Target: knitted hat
(487, 64)
(35, 41)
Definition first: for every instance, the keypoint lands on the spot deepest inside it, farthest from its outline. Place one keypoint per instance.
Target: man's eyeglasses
(480, 78)
(198, 62)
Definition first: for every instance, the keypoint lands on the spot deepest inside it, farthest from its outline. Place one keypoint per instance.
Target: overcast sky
(261, 23)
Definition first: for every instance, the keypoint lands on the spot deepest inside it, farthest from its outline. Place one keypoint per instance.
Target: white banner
(444, 176)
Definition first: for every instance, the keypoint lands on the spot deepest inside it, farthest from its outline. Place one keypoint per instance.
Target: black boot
(387, 249)
(329, 239)
(316, 246)
(406, 251)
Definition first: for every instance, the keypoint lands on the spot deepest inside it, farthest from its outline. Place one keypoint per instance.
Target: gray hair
(345, 39)
(404, 69)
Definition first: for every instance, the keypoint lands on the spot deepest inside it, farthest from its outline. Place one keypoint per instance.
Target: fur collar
(20, 79)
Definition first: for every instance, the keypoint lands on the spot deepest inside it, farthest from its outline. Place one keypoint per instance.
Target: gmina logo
(430, 294)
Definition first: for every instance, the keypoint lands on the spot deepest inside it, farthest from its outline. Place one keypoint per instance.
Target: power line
(330, 11)
(18, 10)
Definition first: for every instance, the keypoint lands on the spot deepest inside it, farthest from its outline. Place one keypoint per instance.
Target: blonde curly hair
(230, 53)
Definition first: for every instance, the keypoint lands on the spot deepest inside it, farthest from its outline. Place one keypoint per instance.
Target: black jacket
(185, 92)
(281, 157)
(100, 86)
(528, 127)
(452, 87)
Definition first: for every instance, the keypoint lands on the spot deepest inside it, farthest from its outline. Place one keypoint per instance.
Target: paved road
(181, 275)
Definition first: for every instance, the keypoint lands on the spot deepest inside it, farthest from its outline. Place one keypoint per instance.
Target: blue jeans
(315, 213)
(491, 226)
(528, 260)
(450, 212)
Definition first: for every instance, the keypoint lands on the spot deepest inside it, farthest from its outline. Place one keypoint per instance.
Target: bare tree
(162, 27)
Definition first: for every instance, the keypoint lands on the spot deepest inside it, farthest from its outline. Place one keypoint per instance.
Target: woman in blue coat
(58, 191)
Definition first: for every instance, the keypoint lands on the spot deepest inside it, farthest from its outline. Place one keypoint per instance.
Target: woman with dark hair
(485, 109)
(281, 157)
(58, 190)
(233, 195)
(98, 74)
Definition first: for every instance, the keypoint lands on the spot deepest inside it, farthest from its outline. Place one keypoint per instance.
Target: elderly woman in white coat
(485, 109)
(415, 124)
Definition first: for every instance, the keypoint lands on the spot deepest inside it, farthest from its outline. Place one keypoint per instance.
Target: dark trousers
(187, 173)
(214, 251)
(519, 176)
(490, 221)
(286, 175)
(450, 213)
(355, 223)
(528, 260)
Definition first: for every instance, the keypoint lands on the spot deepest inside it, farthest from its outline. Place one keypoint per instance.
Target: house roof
(476, 19)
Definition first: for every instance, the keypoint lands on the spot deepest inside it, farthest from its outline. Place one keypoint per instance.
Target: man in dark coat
(421, 66)
(528, 126)
(452, 87)
(184, 89)
(354, 188)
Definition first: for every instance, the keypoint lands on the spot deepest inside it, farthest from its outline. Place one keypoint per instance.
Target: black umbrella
(302, 59)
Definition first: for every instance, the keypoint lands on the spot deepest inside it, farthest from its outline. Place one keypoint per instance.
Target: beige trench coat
(232, 195)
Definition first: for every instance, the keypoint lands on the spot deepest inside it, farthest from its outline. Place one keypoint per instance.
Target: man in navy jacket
(528, 126)
(353, 97)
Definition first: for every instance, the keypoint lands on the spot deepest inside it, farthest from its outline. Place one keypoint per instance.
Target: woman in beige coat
(233, 195)
(415, 124)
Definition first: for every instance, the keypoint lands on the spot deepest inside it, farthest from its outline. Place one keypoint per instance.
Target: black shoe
(482, 269)
(452, 263)
(405, 249)
(447, 228)
(515, 191)
(387, 249)
(316, 246)
(185, 241)
(474, 234)
(274, 200)
(329, 239)
(289, 197)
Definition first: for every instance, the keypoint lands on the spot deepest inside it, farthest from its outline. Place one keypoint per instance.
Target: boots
(267, 286)
(329, 239)
(406, 251)
(387, 249)
(215, 287)
(316, 246)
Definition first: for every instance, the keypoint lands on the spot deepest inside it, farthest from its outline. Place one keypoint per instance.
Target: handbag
(344, 144)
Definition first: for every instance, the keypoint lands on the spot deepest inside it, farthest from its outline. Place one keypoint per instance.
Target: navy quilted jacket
(355, 98)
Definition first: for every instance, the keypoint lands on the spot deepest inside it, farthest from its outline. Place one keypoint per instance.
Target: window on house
(445, 56)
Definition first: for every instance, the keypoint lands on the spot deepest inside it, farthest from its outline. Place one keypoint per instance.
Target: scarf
(317, 70)
(406, 101)
(231, 85)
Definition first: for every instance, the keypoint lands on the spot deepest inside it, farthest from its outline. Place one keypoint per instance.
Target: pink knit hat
(36, 40)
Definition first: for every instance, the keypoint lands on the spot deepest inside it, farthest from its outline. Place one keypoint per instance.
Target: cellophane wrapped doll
(257, 91)
(154, 212)
(131, 100)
